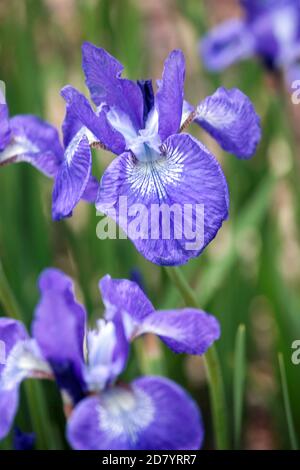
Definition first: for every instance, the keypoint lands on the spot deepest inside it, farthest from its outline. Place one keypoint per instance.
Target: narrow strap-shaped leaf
(239, 375)
(287, 403)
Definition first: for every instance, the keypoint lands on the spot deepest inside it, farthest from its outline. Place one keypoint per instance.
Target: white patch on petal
(19, 146)
(125, 412)
(144, 143)
(224, 116)
(285, 26)
(155, 177)
(24, 360)
(101, 344)
(121, 122)
(187, 109)
(72, 147)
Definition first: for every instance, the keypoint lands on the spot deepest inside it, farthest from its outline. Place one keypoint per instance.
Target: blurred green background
(249, 275)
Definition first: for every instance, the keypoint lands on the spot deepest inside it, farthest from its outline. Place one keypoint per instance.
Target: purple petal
(276, 29)
(230, 117)
(34, 141)
(72, 178)
(11, 332)
(103, 78)
(187, 330)
(148, 96)
(5, 132)
(9, 400)
(256, 8)
(226, 44)
(79, 113)
(59, 329)
(185, 181)
(23, 361)
(91, 190)
(123, 295)
(152, 414)
(23, 440)
(169, 98)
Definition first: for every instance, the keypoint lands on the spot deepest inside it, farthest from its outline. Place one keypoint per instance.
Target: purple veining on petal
(186, 174)
(103, 78)
(169, 98)
(230, 117)
(72, 178)
(33, 141)
(147, 415)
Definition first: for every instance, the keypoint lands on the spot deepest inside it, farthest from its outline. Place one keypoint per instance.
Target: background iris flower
(27, 138)
(269, 29)
(108, 414)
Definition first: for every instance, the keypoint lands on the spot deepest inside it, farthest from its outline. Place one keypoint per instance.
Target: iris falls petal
(33, 141)
(73, 177)
(12, 332)
(186, 330)
(172, 207)
(230, 117)
(147, 415)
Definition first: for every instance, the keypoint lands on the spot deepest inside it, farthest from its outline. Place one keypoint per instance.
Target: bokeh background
(249, 275)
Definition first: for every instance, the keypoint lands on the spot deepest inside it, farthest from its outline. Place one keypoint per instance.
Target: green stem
(212, 365)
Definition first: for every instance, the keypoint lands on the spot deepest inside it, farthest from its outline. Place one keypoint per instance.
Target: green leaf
(239, 375)
(287, 404)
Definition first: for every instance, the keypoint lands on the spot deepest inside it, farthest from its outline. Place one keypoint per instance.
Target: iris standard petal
(169, 97)
(172, 207)
(230, 117)
(33, 141)
(80, 113)
(147, 415)
(103, 78)
(72, 178)
(148, 97)
(226, 44)
(59, 328)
